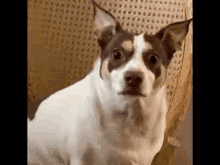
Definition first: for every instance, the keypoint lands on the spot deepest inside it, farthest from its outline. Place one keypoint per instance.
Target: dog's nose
(133, 79)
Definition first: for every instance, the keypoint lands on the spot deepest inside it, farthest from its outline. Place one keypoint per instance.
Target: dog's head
(135, 64)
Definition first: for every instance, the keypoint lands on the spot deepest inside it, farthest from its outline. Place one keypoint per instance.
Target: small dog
(116, 114)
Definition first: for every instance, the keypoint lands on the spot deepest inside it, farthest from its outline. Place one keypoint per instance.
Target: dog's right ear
(105, 23)
(172, 36)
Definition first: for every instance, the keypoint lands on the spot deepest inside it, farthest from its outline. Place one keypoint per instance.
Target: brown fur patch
(88, 157)
(147, 46)
(161, 79)
(127, 45)
(104, 68)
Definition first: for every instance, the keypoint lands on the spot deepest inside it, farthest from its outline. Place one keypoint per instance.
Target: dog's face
(135, 64)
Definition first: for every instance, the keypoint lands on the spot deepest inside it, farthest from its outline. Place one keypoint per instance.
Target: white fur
(69, 121)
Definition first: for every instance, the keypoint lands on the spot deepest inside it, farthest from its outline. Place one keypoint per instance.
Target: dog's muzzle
(133, 81)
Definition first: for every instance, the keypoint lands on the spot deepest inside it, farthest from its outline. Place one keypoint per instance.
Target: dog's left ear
(105, 23)
(173, 35)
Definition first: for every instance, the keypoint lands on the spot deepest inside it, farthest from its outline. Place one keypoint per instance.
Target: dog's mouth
(132, 93)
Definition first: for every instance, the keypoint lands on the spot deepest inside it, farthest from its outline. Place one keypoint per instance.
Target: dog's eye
(117, 54)
(153, 58)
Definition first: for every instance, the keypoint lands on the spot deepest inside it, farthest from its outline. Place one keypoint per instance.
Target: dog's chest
(127, 143)
(133, 129)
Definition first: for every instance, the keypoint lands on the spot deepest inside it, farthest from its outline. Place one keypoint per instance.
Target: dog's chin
(133, 93)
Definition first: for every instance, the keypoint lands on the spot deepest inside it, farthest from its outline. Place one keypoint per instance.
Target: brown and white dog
(116, 114)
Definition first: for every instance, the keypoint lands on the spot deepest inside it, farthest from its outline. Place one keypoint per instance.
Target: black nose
(133, 79)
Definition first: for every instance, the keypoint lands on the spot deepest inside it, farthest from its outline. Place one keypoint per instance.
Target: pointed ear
(105, 23)
(103, 19)
(173, 35)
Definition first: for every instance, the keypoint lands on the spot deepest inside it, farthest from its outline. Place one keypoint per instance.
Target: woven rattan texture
(62, 42)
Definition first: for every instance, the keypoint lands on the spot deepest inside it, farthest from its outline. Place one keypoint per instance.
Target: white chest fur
(81, 117)
(131, 129)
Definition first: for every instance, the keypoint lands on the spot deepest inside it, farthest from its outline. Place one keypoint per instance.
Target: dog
(117, 113)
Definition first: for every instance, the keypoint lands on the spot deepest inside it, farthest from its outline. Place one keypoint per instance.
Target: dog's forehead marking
(127, 45)
(141, 45)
